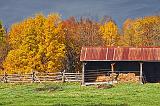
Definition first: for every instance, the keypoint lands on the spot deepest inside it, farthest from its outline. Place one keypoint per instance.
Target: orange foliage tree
(78, 33)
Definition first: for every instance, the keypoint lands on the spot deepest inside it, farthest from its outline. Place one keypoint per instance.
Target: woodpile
(130, 77)
(113, 76)
(103, 78)
(121, 78)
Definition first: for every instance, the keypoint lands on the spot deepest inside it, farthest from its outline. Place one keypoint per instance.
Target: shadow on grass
(105, 86)
(49, 88)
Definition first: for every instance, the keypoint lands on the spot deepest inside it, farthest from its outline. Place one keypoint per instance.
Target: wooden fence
(41, 77)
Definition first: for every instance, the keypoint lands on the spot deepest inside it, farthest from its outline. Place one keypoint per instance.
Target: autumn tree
(3, 44)
(37, 43)
(78, 33)
(110, 33)
(2, 40)
(149, 30)
(129, 38)
(142, 31)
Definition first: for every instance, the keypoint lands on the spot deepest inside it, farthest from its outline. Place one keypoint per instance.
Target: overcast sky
(15, 10)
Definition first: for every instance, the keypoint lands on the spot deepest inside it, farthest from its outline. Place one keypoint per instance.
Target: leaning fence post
(63, 76)
(5, 77)
(33, 77)
(112, 69)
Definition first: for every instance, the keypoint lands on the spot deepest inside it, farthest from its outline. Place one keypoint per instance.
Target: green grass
(68, 94)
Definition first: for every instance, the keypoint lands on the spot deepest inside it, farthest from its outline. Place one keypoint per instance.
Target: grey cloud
(15, 10)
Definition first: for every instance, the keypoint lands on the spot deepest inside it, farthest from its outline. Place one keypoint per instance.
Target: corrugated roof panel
(125, 53)
(94, 53)
(90, 54)
(157, 53)
(102, 54)
(134, 54)
(110, 53)
(120, 54)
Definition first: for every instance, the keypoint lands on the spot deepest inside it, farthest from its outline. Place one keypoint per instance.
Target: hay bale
(122, 78)
(113, 76)
(130, 77)
(103, 78)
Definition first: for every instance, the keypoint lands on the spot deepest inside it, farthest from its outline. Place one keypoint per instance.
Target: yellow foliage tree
(142, 31)
(130, 38)
(110, 33)
(148, 28)
(37, 43)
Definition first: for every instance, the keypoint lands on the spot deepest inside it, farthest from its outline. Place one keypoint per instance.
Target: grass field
(68, 94)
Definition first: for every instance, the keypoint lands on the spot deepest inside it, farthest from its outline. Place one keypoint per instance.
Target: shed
(111, 62)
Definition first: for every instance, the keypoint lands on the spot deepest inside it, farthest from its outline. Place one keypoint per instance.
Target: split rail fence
(41, 77)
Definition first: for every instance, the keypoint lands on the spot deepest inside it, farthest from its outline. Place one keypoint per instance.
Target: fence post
(112, 69)
(33, 77)
(141, 73)
(63, 76)
(5, 77)
(83, 71)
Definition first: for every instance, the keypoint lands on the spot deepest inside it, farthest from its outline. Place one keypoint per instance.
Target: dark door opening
(93, 69)
(128, 66)
(151, 72)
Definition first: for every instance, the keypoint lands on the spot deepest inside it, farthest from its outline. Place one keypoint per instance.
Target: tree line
(51, 44)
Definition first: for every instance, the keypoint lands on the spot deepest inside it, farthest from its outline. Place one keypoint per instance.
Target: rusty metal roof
(120, 54)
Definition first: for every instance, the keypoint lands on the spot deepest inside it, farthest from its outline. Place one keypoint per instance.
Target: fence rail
(41, 77)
